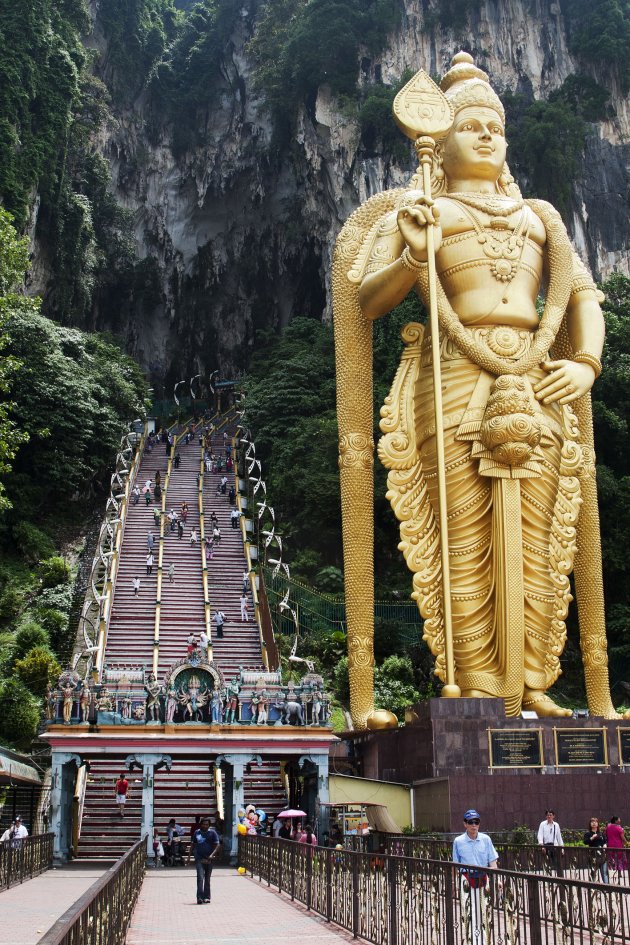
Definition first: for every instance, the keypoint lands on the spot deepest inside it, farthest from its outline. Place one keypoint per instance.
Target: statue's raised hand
(413, 222)
(566, 381)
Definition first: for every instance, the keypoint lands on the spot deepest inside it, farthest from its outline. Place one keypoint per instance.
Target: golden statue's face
(475, 147)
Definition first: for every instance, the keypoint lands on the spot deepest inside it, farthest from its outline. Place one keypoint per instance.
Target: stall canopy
(16, 768)
(377, 815)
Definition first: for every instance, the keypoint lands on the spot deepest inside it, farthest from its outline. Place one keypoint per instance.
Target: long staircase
(188, 788)
(182, 608)
(130, 634)
(240, 645)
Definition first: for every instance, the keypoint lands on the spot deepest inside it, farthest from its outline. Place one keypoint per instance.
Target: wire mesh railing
(317, 611)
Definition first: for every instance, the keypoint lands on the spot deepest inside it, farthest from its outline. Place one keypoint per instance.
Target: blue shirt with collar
(479, 852)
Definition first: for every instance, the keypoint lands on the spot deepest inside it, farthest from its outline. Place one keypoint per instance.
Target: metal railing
(23, 859)
(581, 862)
(102, 915)
(97, 606)
(391, 900)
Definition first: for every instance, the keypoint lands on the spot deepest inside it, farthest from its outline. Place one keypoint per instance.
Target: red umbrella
(292, 813)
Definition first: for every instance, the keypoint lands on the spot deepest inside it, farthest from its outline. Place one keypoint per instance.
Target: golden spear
(424, 114)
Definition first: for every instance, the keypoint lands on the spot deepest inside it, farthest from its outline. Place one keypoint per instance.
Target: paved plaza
(29, 910)
(242, 912)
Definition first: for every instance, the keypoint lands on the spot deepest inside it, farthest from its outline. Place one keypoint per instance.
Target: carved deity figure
(85, 699)
(232, 694)
(154, 690)
(317, 706)
(171, 703)
(216, 706)
(518, 459)
(125, 706)
(263, 708)
(50, 703)
(259, 707)
(67, 692)
(105, 703)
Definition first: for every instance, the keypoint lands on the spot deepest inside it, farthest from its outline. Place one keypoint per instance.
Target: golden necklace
(501, 243)
(560, 256)
(492, 204)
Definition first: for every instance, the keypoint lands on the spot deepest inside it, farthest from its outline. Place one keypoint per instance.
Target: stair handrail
(96, 610)
(78, 803)
(268, 645)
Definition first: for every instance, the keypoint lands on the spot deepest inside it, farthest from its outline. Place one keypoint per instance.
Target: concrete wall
(345, 789)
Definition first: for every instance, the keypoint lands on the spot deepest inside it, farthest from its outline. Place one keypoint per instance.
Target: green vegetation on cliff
(299, 46)
(599, 32)
(65, 399)
(547, 138)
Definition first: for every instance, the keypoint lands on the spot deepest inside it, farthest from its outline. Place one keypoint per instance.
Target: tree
(73, 396)
(19, 713)
(38, 669)
(394, 685)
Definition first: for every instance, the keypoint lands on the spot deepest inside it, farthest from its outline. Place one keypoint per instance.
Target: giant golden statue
(487, 430)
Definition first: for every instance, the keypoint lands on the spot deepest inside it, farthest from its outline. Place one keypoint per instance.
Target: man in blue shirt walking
(205, 846)
(476, 852)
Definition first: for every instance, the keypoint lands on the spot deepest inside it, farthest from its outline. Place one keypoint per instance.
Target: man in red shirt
(122, 792)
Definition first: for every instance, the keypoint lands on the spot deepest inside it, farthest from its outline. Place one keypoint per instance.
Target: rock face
(243, 235)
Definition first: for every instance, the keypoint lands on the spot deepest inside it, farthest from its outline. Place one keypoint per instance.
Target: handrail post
(449, 905)
(329, 892)
(355, 893)
(534, 909)
(293, 870)
(308, 850)
(390, 868)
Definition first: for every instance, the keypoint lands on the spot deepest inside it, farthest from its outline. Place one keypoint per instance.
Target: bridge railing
(22, 859)
(102, 915)
(581, 863)
(391, 900)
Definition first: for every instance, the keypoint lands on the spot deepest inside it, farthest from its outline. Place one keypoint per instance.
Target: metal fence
(590, 865)
(102, 915)
(397, 900)
(23, 859)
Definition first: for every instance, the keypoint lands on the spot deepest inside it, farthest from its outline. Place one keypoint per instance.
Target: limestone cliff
(242, 232)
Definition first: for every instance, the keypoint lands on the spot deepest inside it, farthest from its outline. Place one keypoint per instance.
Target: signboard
(623, 735)
(515, 748)
(584, 747)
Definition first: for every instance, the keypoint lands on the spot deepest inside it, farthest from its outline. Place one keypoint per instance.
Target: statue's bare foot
(543, 705)
(475, 694)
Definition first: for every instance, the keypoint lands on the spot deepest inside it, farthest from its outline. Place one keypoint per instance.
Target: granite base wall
(443, 751)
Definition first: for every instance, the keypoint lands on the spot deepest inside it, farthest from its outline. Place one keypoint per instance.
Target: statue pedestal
(462, 753)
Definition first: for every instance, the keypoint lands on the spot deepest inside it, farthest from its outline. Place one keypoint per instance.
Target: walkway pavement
(242, 912)
(29, 910)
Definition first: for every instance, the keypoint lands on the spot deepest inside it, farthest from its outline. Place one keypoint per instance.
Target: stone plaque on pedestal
(586, 748)
(515, 748)
(623, 735)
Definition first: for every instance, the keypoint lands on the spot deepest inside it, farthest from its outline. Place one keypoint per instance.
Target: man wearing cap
(15, 833)
(475, 851)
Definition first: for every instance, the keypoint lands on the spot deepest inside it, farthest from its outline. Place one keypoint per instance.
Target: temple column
(314, 768)
(64, 770)
(149, 764)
